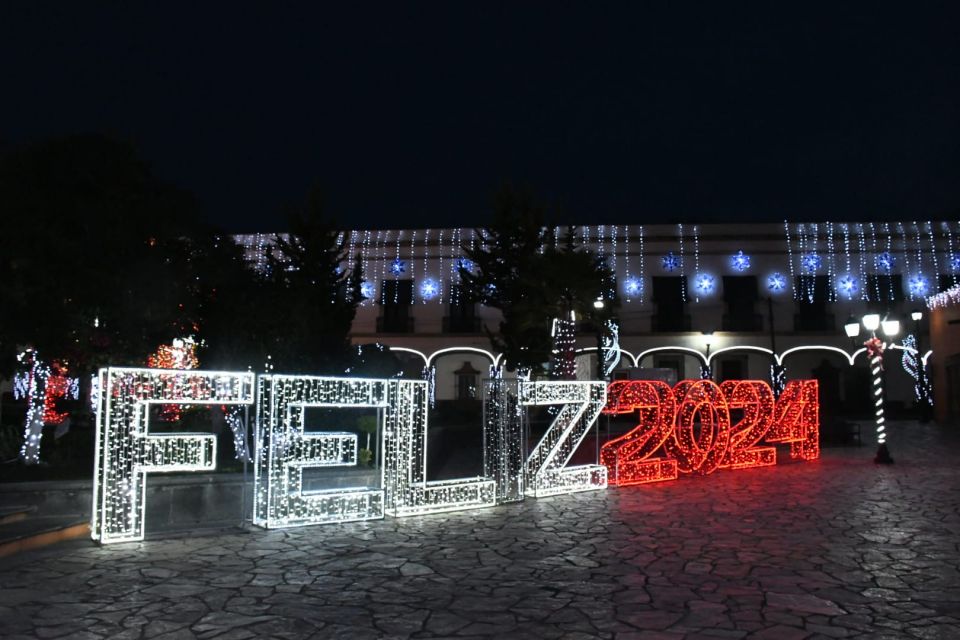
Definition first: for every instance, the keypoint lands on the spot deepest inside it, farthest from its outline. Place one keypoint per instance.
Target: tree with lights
(520, 269)
(318, 298)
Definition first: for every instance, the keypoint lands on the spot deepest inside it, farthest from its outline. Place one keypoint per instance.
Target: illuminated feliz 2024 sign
(683, 429)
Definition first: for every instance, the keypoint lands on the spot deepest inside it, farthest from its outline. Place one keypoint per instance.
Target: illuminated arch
(413, 351)
(436, 354)
(820, 347)
(745, 347)
(698, 354)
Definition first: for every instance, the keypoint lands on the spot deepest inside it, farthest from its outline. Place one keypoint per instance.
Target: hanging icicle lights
(431, 259)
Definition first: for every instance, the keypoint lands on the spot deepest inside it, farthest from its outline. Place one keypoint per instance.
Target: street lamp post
(924, 394)
(706, 372)
(875, 346)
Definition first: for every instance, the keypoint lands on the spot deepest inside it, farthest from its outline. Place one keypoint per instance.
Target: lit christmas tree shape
(755, 399)
(546, 470)
(126, 451)
(285, 449)
(406, 489)
(796, 419)
(627, 458)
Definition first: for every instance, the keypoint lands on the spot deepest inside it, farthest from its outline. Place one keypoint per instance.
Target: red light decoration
(796, 419)
(57, 386)
(756, 400)
(627, 458)
(181, 354)
(691, 423)
(700, 452)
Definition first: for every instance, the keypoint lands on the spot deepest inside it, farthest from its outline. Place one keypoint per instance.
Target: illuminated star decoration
(670, 262)
(848, 285)
(885, 261)
(776, 282)
(740, 261)
(397, 267)
(632, 287)
(429, 289)
(811, 262)
(919, 285)
(367, 290)
(704, 283)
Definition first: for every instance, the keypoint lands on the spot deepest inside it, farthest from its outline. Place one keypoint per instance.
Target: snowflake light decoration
(811, 262)
(955, 263)
(776, 282)
(885, 262)
(429, 289)
(367, 289)
(633, 287)
(398, 266)
(704, 283)
(740, 261)
(462, 263)
(919, 285)
(670, 262)
(848, 285)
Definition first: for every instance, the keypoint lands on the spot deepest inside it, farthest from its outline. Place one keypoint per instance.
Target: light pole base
(883, 455)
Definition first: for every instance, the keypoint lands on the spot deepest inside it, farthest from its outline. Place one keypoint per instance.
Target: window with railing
(396, 307)
(670, 307)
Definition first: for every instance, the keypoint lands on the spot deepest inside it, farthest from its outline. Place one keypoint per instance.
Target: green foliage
(522, 272)
(318, 301)
(91, 254)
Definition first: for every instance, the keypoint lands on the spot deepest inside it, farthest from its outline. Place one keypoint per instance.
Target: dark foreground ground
(831, 549)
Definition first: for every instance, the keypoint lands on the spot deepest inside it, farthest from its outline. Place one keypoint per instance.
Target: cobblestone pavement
(831, 549)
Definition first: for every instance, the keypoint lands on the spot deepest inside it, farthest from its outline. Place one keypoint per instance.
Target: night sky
(413, 114)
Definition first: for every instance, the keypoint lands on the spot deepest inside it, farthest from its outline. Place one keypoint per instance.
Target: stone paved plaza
(832, 549)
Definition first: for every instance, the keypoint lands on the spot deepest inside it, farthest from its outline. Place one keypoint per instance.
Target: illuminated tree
(520, 270)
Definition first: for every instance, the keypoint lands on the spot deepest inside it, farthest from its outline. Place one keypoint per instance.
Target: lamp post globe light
(875, 347)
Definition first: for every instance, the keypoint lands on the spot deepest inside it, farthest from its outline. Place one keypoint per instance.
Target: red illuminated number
(699, 447)
(755, 399)
(627, 458)
(796, 419)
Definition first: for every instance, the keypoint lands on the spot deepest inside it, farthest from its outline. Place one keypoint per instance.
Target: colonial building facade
(736, 297)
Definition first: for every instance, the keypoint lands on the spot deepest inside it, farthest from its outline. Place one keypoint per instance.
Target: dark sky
(412, 114)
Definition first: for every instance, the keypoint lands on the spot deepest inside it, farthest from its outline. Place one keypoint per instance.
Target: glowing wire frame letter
(701, 453)
(755, 399)
(627, 458)
(406, 489)
(285, 449)
(796, 419)
(126, 451)
(504, 438)
(546, 470)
